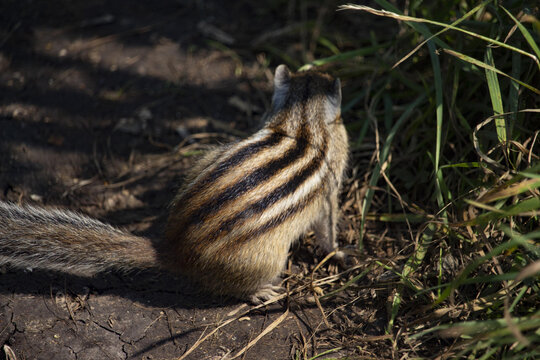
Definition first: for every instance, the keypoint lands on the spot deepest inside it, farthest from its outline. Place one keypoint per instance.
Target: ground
(103, 106)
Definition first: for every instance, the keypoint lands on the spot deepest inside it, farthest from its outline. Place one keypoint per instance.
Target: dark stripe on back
(251, 181)
(274, 222)
(277, 194)
(235, 159)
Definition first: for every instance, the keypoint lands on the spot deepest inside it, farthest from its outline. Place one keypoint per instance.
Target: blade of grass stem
(326, 353)
(411, 218)
(495, 95)
(522, 207)
(464, 17)
(329, 45)
(417, 26)
(522, 292)
(396, 302)
(476, 143)
(476, 327)
(473, 164)
(486, 66)
(526, 34)
(473, 280)
(411, 20)
(513, 93)
(523, 239)
(439, 119)
(509, 189)
(345, 56)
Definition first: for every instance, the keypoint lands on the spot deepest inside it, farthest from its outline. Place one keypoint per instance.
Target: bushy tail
(52, 239)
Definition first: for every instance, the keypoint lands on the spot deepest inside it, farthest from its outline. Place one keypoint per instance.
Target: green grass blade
(325, 353)
(411, 20)
(417, 26)
(510, 189)
(473, 280)
(496, 98)
(513, 94)
(394, 309)
(487, 66)
(439, 118)
(329, 45)
(524, 240)
(472, 328)
(439, 33)
(473, 164)
(526, 34)
(283, 56)
(345, 56)
(403, 218)
(522, 207)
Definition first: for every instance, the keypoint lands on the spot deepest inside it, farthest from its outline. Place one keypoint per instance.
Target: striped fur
(232, 224)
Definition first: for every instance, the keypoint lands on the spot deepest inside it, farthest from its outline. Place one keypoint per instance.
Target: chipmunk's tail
(59, 240)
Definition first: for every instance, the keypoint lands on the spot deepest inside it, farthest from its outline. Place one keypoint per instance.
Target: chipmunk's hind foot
(265, 293)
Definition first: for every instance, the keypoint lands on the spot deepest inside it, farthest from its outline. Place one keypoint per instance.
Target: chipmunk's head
(306, 96)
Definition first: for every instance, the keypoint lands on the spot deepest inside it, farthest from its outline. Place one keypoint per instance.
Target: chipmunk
(232, 223)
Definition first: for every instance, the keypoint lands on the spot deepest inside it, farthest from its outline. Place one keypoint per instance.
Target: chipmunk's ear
(281, 85)
(333, 105)
(337, 92)
(282, 77)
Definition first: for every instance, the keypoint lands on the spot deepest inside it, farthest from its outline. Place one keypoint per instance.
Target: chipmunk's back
(236, 219)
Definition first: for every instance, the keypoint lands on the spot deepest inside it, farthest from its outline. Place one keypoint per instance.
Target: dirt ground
(103, 105)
